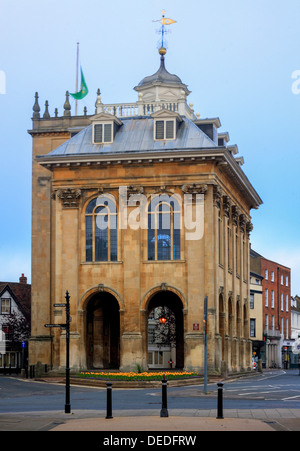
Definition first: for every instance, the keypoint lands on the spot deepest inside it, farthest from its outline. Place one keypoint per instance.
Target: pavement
(149, 421)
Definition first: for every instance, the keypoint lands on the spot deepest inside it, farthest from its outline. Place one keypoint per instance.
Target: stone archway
(161, 301)
(102, 331)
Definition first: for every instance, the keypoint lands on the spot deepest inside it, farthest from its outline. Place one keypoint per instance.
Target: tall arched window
(164, 229)
(101, 230)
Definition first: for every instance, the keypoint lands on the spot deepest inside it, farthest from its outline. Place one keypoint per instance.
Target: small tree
(165, 328)
(16, 328)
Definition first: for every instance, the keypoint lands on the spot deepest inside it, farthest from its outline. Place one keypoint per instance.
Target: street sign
(66, 327)
(54, 325)
(23, 344)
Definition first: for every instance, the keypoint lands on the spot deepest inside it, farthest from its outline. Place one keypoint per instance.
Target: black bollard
(220, 401)
(164, 408)
(109, 400)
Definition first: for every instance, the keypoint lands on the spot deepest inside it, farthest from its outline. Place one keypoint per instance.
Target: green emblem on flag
(83, 89)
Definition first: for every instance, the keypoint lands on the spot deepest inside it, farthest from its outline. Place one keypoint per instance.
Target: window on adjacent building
(272, 299)
(281, 301)
(5, 306)
(266, 297)
(252, 327)
(164, 229)
(251, 300)
(272, 276)
(286, 281)
(101, 230)
(266, 274)
(281, 279)
(266, 322)
(287, 302)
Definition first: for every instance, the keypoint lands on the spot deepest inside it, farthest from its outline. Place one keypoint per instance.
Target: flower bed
(146, 376)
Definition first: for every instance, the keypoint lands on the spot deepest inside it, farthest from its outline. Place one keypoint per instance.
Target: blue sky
(236, 57)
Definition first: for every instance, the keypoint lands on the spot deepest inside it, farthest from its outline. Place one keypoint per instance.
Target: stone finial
(56, 112)
(46, 114)
(98, 104)
(36, 108)
(85, 111)
(67, 106)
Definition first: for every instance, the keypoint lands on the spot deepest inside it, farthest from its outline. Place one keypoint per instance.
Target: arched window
(101, 230)
(164, 229)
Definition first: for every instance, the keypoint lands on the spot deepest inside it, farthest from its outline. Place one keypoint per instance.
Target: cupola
(163, 90)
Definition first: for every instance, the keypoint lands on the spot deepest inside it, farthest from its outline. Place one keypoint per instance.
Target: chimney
(23, 279)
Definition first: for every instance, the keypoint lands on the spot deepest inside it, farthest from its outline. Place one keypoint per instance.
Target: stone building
(256, 309)
(139, 206)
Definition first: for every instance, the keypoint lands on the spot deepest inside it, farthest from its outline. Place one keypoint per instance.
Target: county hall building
(136, 208)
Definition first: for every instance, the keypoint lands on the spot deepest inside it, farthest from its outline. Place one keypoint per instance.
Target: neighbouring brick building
(276, 313)
(102, 187)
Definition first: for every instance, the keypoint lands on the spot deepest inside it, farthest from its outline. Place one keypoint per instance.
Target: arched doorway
(165, 338)
(103, 331)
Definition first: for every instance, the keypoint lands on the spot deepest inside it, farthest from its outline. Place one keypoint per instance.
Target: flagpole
(76, 90)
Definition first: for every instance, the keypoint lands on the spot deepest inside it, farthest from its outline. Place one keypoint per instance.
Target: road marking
(291, 397)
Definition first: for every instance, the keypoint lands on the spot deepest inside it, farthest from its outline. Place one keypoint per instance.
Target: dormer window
(165, 125)
(102, 133)
(164, 129)
(210, 127)
(105, 127)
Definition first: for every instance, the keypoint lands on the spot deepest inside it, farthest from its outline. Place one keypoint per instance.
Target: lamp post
(205, 344)
(66, 327)
(68, 320)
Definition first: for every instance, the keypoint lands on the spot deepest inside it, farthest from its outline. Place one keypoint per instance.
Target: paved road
(273, 397)
(270, 390)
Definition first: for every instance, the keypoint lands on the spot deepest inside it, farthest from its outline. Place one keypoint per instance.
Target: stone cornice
(220, 156)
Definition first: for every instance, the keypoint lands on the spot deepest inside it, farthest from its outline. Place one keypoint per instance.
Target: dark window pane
(159, 132)
(176, 244)
(101, 239)
(98, 133)
(163, 244)
(151, 240)
(170, 130)
(89, 238)
(163, 238)
(91, 206)
(107, 133)
(101, 209)
(113, 245)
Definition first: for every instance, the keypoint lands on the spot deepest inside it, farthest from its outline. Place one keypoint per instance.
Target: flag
(166, 21)
(83, 89)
